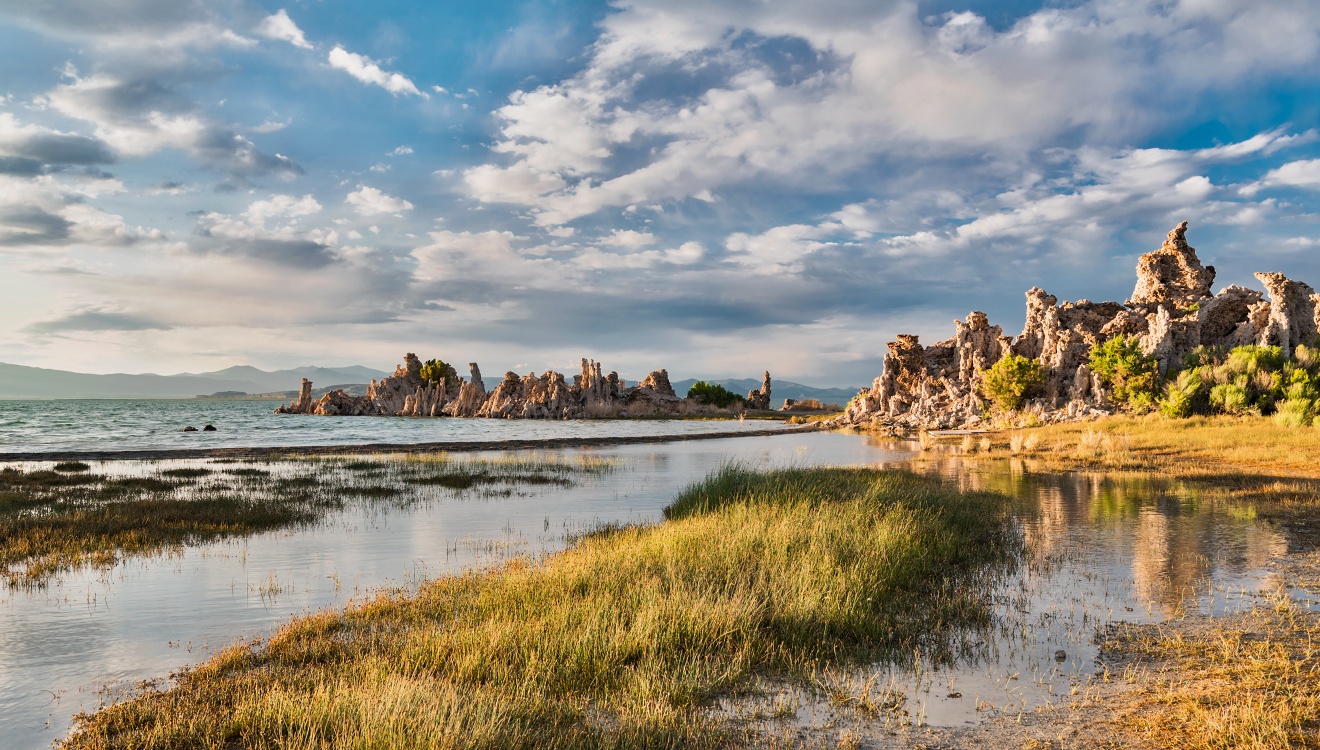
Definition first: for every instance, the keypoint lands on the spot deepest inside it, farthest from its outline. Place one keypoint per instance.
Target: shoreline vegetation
(623, 640)
(59, 518)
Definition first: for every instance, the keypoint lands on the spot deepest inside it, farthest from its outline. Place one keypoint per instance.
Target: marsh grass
(52, 521)
(622, 641)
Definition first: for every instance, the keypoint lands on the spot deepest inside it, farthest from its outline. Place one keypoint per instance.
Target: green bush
(1247, 380)
(436, 370)
(1230, 398)
(713, 394)
(1185, 396)
(1295, 412)
(1007, 381)
(1132, 377)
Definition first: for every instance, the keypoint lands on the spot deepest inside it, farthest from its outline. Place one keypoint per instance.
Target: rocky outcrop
(1173, 274)
(304, 403)
(759, 398)
(547, 396)
(1171, 313)
(1291, 319)
(654, 393)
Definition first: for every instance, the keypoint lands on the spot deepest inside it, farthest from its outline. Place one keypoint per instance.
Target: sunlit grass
(1250, 682)
(621, 641)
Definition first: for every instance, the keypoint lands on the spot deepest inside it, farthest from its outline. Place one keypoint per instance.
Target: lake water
(1098, 550)
(115, 424)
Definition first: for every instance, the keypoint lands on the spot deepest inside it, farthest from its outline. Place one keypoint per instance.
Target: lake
(116, 424)
(1098, 549)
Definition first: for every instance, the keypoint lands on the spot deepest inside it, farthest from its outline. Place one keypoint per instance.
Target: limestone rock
(1292, 313)
(759, 398)
(1170, 314)
(304, 403)
(1222, 317)
(547, 396)
(655, 393)
(1172, 274)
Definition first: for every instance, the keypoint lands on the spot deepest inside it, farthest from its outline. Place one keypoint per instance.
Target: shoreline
(466, 446)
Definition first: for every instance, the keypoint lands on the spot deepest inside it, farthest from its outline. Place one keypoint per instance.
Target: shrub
(1185, 396)
(713, 394)
(1230, 398)
(435, 371)
(1132, 377)
(1008, 380)
(1295, 412)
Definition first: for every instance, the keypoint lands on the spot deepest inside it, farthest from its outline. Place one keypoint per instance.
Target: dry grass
(1250, 682)
(619, 642)
(1185, 446)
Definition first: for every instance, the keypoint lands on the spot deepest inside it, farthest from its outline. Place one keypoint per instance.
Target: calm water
(1098, 550)
(77, 425)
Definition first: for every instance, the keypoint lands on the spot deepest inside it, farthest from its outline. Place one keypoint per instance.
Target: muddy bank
(465, 446)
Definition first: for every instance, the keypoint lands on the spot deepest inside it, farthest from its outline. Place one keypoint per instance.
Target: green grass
(622, 641)
(52, 521)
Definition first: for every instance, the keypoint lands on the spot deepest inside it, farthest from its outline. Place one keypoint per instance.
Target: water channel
(1099, 549)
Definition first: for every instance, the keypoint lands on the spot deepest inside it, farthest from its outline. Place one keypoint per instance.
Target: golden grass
(1186, 446)
(1251, 682)
(621, 641)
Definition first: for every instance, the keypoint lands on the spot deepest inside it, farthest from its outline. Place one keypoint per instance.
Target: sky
(714, 187)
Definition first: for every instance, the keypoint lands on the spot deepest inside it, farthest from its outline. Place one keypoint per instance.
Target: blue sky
(712, 187)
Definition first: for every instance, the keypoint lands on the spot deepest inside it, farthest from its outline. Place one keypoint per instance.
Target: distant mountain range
(18, 381)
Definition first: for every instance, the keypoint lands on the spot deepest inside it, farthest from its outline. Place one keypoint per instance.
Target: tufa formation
(407, 394)
(1171, 312)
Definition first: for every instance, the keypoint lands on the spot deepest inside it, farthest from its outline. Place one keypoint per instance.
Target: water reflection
(1098, 548)
(60, 647)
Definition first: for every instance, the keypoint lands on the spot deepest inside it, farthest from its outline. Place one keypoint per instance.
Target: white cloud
(1304, 173)
(137, 118)
(282, 28)
(370, 201)
(629, 238)
(521, 183)
(368, 71)
(401, 151)
(881, 80)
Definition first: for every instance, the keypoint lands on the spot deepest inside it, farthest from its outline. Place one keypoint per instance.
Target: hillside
(18, 381)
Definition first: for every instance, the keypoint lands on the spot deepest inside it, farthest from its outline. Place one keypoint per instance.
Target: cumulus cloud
(282, 28)
(369, 71)
(861, 81)
(140, 117)
(370, 201)
(47, 147)
(45, 211)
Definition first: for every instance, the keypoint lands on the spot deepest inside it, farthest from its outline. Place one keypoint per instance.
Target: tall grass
(621, 641)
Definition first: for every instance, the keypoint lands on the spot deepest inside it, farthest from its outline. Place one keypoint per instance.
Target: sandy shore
(334, 450)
